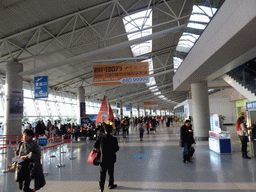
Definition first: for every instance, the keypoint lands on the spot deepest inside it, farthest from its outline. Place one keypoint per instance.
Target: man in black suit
(108, 146)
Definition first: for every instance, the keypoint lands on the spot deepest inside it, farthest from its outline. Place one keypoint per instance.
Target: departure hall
(128, 95)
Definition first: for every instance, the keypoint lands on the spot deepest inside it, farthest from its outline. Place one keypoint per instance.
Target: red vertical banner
(110, 113)
(103, 114)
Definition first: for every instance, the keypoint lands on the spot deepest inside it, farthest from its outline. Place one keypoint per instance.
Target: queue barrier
(8, 144)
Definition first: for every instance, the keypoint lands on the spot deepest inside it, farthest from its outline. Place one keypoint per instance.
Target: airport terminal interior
(67, 66)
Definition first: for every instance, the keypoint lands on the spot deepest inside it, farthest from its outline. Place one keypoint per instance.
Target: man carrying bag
(108, 146)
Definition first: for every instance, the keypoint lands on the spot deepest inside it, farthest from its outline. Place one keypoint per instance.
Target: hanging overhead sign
(125, 73)
(150, 103)
(41, 87)
(164, 109)
(127, 107)
(251, 105)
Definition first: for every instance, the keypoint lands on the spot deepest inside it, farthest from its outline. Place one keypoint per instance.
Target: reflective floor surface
(154, 164)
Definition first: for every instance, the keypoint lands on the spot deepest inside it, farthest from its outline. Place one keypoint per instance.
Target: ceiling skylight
(138, 22)
(200, 17)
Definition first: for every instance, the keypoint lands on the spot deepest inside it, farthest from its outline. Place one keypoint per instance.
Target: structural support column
(121, 109)
(201, 112)
(81, 104)
(138, 110)
(14, 99)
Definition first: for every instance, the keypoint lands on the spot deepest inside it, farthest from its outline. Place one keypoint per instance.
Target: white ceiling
(40, 32)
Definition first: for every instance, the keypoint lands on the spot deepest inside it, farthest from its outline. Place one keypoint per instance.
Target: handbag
(181, 143)
(94, 157)
(12, 166)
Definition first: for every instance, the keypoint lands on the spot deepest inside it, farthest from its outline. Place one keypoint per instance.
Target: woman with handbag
(187, 139)
(242, 132)
(30, 167)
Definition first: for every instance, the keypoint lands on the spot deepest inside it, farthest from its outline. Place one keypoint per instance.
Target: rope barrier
(7, 144)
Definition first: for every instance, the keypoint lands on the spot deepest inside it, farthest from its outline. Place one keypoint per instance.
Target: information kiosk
(219, 141)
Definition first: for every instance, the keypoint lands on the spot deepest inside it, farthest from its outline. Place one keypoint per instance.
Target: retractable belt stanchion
(52, 137)
(72, 156)
(62, 151)
(45, 173)
(60, 164)
(5, 170)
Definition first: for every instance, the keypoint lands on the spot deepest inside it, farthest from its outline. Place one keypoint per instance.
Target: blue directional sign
(127, 107)
(251, 105)
(41, 87)
(118, 105)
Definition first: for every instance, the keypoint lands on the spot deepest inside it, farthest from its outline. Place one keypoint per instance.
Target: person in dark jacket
(108, 146)
(29, 151)
(187, 137)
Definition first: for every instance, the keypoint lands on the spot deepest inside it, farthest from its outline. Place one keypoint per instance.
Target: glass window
(29, 103)
(27, 93)
(63, 109)
(53, 109)
(42, 107)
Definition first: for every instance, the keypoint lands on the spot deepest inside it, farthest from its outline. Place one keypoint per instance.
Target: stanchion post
(72, 156)
(60, 164)
(5, 170)
(52, 156)
(45, 173)
(62, 145)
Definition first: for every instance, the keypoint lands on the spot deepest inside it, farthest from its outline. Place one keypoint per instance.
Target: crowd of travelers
(107, 143)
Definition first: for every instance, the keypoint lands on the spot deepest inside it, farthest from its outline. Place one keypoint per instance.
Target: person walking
(242, 132)
(141, 129)
(147, 126)
(187, 137)
(29, 152)
(108, 146)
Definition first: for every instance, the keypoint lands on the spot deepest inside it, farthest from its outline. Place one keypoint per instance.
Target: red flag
(110, 113)
(103, 114)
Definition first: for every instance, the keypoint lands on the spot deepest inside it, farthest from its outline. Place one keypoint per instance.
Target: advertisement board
(16, 104)
(150, 103)
(125, 73)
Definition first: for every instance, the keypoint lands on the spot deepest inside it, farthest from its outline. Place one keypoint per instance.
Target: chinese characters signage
(251, 105)
(41, 87)
(125, 73)
(150, 103)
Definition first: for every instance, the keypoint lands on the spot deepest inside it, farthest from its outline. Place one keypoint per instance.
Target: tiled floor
(154, 164)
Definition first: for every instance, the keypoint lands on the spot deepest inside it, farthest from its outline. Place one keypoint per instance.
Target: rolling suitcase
(191, 152)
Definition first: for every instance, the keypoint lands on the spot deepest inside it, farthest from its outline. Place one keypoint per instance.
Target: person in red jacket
(147, 126)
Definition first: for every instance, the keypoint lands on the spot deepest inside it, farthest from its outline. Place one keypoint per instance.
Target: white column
(80, 99)
(201, 112)
(13, 82)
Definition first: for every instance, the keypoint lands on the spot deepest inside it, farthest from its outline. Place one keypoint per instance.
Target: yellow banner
(150, 103)
(125, 73)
